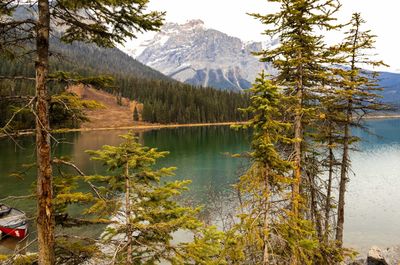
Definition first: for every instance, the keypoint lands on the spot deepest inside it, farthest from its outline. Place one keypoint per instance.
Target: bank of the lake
(156, 126)
(135, 127)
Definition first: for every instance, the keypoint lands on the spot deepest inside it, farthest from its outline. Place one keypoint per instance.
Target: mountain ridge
(200, 56)
(197, 55)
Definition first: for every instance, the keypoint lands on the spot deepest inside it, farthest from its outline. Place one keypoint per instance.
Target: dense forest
(165, 100)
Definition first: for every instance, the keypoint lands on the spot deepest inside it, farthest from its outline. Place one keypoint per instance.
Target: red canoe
(13, 222)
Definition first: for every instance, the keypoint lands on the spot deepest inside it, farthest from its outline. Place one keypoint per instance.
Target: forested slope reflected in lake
(200, 155)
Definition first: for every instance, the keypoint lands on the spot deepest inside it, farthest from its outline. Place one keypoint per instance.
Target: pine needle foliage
(300, 60)
(150, 215)
(286, 141)
(268, 232)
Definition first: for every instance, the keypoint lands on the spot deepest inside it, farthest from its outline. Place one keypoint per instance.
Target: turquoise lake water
(200, 154)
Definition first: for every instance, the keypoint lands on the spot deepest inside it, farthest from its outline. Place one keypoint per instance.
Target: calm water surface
(373, 199)
(373, 202)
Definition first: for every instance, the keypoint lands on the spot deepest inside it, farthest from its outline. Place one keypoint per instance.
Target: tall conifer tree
(357, 96)
(302, 60)
(101, 22)
(299, 60)
(268, 233)
(267, 176)
(144, 230)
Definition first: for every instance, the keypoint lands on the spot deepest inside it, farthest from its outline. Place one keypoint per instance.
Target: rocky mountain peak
(194, 54)
(175, 28)
(194, 23)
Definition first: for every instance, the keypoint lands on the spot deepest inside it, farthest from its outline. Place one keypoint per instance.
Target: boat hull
(17, 232)
(14, 223)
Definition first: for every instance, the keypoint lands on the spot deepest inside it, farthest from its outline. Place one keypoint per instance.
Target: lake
(201, 155)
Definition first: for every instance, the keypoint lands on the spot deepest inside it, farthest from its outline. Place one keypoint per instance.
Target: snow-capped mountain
(200, 56)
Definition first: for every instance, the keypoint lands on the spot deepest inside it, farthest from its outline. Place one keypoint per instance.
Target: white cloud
(230, 16)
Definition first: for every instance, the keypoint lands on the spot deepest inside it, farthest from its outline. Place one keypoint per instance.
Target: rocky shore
(377, 256)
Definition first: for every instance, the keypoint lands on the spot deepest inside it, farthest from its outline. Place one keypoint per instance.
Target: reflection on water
(10, 245)
(373, 200)
(198, 153)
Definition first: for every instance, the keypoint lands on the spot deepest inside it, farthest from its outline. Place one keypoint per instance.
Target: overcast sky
(229, 16)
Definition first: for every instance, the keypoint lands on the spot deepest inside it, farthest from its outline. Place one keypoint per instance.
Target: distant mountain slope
(199, 56)
(86, 58)
(391, 84)
(106, 61)
(89, 57)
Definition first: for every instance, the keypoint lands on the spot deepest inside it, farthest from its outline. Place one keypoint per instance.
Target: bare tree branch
(4, 129)
(14, 78)
(9, 198)
(93, 187)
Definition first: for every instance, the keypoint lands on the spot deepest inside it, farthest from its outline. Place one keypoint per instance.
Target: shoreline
(154, 126)
(383, 117)
(148, 127)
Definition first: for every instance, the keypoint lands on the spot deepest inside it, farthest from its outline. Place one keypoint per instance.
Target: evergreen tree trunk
(298, 135)
(329, 192)
(343, 179)
(346, 143)
(266, 219)
(297, 170)
(315, 213)
(128, 216)
(45, 218)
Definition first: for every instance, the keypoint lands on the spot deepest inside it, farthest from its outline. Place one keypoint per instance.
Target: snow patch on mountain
(195, 54)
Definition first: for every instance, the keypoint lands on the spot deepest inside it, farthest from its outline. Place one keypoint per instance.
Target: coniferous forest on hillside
(165, 100)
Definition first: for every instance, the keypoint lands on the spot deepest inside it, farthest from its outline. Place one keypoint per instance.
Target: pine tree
(101, 22)
(299, 59)
(357, 96)
(151, 212)
(328, 138)
(262, 178)
(73, 189)
(267, 231)
(135, 114)
(305, 76)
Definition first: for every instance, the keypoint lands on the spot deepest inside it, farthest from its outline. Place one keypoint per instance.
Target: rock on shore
(377, 256)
